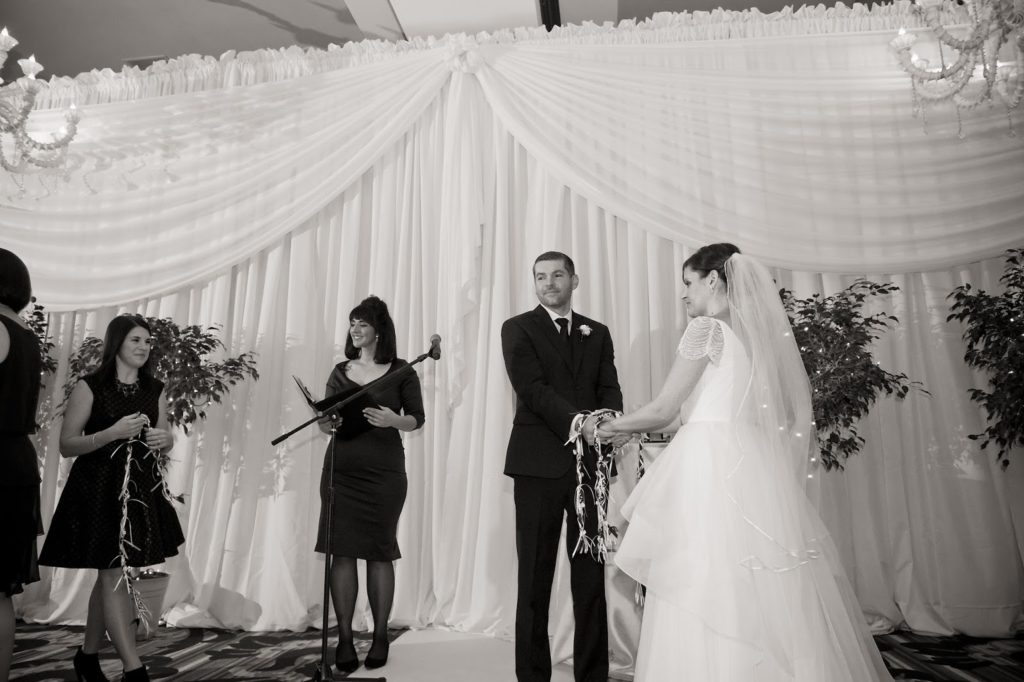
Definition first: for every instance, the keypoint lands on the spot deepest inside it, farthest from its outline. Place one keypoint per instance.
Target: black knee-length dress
(19, 468)
(369, 474)
(85, 530)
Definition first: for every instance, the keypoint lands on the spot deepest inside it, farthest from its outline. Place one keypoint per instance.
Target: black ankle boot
(137, 675)
(87, 667)
(378, 661)
(350, 662)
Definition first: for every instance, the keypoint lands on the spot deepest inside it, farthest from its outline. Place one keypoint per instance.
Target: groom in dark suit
(559, 363)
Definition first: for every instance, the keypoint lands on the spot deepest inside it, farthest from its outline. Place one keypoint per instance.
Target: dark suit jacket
(550, 390)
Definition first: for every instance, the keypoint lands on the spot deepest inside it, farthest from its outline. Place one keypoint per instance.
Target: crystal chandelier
(993, 26)
(19, 151)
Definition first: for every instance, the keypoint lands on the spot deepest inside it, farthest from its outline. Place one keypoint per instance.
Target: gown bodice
(720, 392)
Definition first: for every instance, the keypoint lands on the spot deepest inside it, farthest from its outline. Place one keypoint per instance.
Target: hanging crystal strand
(942, 58)
(1009, 121)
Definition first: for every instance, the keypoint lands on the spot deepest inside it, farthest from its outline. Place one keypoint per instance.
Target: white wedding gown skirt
(743, 582)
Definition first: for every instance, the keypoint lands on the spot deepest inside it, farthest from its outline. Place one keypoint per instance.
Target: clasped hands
(591, 431)
(131, 425)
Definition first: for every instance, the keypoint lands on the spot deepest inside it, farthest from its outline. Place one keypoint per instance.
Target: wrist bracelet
(94, 441)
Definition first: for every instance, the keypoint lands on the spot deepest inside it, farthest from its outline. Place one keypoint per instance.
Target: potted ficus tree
(835, 338)
(994, 335)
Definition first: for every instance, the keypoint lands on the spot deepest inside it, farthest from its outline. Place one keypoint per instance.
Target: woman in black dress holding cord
(369, 479)
(114, 512)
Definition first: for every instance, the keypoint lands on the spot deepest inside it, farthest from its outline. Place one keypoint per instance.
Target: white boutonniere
(585, 330)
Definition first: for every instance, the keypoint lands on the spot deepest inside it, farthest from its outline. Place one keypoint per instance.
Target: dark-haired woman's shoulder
(93, 380)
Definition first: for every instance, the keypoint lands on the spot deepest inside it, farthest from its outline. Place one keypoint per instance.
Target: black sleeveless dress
(369, 474)
(85, 530)
(19, 470)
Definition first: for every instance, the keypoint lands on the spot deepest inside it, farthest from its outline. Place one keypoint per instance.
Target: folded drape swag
(313, 129)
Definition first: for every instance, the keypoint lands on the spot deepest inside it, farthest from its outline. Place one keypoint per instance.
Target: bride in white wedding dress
(743, 582)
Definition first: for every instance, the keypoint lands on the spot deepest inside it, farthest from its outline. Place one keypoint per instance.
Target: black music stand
(337, 403)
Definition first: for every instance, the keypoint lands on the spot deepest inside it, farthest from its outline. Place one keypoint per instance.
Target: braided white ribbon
(598, 545)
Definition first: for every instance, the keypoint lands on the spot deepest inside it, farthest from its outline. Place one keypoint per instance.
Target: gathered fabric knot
(464, 56)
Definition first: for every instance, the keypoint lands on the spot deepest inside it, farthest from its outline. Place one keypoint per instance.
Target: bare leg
(380, 591)
(344, 587)
(118, 616)
(94, 625)
(6, 635)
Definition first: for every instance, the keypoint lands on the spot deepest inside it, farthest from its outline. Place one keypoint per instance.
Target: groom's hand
(588, 429)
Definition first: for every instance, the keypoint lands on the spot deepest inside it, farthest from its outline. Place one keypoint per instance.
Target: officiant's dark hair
(711, 257)
(15, 283)
(374, 312)
(556, 255)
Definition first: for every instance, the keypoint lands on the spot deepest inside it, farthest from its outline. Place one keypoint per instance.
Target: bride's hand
(620, 439)
(604, 433)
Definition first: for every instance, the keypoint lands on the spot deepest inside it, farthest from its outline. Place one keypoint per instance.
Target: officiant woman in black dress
(369, 478)
(20, 363)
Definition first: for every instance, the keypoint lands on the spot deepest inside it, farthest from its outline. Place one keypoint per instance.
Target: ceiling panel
(438, 17)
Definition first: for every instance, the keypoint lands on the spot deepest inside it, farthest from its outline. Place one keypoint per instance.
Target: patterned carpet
(953, 659)
(43, 653)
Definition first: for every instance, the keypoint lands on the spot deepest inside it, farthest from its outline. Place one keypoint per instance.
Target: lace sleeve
(703, 338)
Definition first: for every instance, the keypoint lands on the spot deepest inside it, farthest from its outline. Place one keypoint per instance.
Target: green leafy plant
(35, 317)
(835, 340)
(994, 335)
(180, 359)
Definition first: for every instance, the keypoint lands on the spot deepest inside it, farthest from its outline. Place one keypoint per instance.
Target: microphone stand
(323, 671)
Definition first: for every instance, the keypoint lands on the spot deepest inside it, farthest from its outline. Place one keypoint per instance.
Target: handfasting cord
(125, 529)
(597, 545)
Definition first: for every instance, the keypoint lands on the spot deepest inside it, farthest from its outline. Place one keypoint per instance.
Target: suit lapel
(547, 330)
(579, 342)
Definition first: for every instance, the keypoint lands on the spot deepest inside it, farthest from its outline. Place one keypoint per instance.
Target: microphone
(435, 347)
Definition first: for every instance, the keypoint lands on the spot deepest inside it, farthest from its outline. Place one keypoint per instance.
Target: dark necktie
(563, 331)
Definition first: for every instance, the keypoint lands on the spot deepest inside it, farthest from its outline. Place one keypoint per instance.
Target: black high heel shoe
(348, 665)
(138, 675)
(87, 667)
(378, 661)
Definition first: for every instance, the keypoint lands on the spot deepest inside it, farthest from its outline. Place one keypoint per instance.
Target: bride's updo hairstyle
(711, 257)
(374, 312)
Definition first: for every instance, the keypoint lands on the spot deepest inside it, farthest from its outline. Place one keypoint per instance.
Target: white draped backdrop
(270, 191)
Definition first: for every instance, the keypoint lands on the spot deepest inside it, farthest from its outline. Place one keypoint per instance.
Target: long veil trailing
(778, 399)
